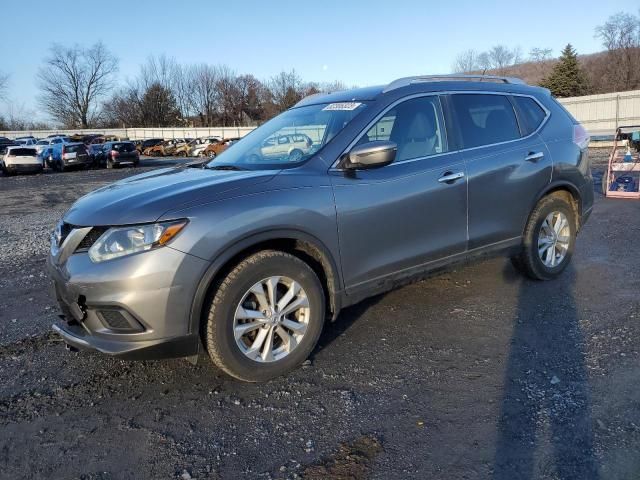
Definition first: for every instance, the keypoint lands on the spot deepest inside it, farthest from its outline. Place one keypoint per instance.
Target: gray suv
(249, 254)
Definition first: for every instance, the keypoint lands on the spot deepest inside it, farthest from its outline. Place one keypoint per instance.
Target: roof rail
(455, 77)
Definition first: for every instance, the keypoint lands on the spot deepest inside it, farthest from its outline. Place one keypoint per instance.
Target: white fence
(600, 114)
(141, 133)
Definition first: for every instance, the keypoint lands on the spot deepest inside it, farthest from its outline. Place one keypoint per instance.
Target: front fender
(245, 244)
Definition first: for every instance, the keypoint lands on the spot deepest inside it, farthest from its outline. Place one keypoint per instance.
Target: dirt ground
(476, 373)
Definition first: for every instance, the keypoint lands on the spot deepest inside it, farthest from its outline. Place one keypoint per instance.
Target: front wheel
(549, 239)
(265, 317)
(295, 155)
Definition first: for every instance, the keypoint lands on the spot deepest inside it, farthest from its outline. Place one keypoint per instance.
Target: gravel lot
(475, 373)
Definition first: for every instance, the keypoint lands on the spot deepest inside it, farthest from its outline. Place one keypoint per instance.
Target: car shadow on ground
(347, 317)
(545, 423)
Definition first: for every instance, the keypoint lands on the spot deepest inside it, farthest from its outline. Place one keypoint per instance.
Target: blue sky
(360, 43)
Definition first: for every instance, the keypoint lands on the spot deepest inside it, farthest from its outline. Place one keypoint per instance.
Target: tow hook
(70, 348)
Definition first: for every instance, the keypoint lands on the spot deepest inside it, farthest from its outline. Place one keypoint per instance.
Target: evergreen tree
(567, 79)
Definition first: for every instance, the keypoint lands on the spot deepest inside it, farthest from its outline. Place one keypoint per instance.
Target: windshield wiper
(224, 167)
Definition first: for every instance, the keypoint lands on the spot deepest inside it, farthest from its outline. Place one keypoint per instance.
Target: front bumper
(74, 335)
(135, 307)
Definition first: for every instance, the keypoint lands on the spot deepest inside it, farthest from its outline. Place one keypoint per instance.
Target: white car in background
(20, 159)
(26, 141)
(198, 149)
(45, 143)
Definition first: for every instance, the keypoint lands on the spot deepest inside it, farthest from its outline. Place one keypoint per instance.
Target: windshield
(290, 138)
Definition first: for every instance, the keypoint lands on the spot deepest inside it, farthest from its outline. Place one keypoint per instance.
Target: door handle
(450, 177)
(534, 156)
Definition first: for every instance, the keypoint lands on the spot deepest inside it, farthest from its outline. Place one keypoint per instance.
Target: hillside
(600, 68)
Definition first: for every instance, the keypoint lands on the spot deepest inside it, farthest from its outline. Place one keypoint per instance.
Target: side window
(532, 112)
(416, 126)
(282, 140)
(485, 119)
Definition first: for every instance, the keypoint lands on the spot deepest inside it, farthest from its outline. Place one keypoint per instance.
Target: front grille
(90, 238)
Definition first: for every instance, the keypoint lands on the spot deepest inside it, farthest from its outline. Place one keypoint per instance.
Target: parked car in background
(148, 143)
(294, 146)
(67, 155)
(120, 153)
(184, 149)
(96, 154)
(198, 148)
(6, 142)
(26, 141)
(50, 141)
(163, 149)
(20, 159)
(216, 148)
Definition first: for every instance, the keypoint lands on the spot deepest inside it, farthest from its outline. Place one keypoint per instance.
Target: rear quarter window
(484, 119)
(532, 112)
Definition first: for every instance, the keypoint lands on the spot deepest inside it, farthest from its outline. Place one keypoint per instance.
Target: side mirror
(371, 155)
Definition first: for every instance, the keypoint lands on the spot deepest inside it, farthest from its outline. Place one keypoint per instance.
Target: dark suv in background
(250, 254)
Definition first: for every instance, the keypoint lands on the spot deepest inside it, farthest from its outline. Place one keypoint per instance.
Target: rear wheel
(265, 317)
(549, 239)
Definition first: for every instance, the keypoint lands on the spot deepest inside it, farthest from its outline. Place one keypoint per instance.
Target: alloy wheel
(271, 319)
(553, 239)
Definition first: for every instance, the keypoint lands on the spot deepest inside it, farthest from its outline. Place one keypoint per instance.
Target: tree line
(615, 69)
(78, 88)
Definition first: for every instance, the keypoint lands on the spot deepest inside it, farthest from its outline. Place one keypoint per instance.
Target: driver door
(393, 221)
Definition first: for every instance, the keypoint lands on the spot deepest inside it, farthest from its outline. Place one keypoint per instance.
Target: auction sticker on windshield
(342, 106)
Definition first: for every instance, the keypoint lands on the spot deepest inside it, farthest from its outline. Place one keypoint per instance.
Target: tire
(530, 261)
(295, 155)
(225, 350)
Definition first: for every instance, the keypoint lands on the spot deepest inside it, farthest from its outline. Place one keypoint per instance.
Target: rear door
(507, 164)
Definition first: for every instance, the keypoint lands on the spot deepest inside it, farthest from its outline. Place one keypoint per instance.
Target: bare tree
(248, 101)
(518, 56)
(540, 54)
(501, 57)
(466, 62)
(286, 90)
(73, 80)
(124, 108)
(159, 107)
(620, 35)
(4, 84)
(203, 92)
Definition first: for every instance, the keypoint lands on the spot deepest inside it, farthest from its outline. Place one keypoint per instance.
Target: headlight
(120, 241)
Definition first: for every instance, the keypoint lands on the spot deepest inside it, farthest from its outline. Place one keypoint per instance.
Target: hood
(146, 197)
